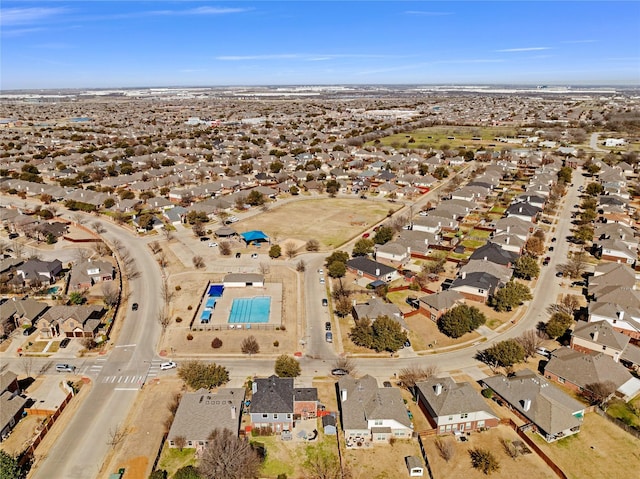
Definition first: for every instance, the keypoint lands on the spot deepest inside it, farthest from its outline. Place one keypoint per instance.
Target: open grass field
(332, 221)
(453, 136)
(627, 412)
(601, 449)
(527, 465)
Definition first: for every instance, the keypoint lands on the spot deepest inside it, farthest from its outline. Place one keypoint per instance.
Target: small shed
(414, 465)
(329, 425)
(241, 280)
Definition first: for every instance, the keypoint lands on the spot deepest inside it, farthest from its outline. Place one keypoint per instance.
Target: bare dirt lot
(151, 418)
(332, 221)
(599, 450)
(527, 465)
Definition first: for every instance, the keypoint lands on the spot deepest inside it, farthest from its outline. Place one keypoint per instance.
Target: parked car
(325, 302)
(550, 248)
(553, 240)
(254, 256)
(366, 235)
(13, 235)
(320, 271)
(28, 331)
(204, 238)
(238, 255)
(134, 307)
(213, 244)
(339, 372)
(328, 337)
(559, 274)
(322, 280)
(327, 326)
(65, 342)
(65, 368)
(168, 365)
(543, 352)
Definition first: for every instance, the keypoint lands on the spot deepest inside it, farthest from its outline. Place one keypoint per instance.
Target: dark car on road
(65, 342)
(204, 238)
(28, 331)
(325, 302)
(327, 326)
(134, 307)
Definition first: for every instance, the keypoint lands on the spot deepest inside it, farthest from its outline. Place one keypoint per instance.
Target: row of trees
(383, 334)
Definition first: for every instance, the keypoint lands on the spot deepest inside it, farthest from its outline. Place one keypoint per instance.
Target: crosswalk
(95, 369)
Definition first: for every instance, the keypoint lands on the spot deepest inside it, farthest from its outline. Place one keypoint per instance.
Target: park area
(331, 221)
(451, 136)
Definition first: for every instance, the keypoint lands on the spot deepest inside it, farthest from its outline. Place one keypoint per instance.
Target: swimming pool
(250, 310)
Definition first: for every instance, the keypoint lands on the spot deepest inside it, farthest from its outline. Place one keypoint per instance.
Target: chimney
(508, 228)
(620, 315)
(437, 389)
(343, 395)
(377, 272)
(485, 258)
(595, 334)
(526, 404)
(520, 209)
(233, 412)
(506, 241)
(464, 275)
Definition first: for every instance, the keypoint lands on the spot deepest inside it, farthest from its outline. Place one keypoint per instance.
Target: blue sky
(102, 44)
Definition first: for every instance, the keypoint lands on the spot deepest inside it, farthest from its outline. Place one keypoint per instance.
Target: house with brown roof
(17, 313)
(451, 406)
(435, 305)
(202, 412)
(12, 403)
(79, 321)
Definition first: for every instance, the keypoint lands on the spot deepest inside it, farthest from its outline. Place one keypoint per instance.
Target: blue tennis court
(250, 310)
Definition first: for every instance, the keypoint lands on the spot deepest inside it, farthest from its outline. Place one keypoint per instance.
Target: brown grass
(600, 449)
(529, 465)
(332, 221)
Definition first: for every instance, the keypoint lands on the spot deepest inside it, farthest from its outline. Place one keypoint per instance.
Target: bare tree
(321, 463)
(101, 249)
(411, 375)
(530, 340)
(250, 346)
(180, 442)
(228, 456)
(168, 234)
(155, 247)
(264, 268)
(109, 293)
(166, 292)
(198, 262)
(290, 249)
(116, 435)
(162, 260)
(225, 248)
(576, 265)
(512, 450)
(82, 254)
(446, 448)
(346, 364)
(568, 304)
(312, 245)
(18, 248)
(77, 218)
(97, 227)
(164, 319)
(301, 266)
(599, 393)
(27, 365)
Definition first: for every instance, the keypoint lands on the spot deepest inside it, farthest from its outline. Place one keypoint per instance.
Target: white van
(65, 368)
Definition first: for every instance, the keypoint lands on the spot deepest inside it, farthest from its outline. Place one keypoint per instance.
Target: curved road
(83, 445)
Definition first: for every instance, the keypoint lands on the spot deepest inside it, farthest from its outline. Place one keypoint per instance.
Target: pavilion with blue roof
(254, 236)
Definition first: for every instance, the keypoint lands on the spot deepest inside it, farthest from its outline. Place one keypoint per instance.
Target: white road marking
(126, 389)
(126, 346)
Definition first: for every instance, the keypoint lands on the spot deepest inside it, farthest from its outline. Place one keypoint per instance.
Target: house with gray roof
(376, 308)
(578, 371)
(554, 413)
(34, 271)
(242, 280)
(16, 313)
(600, 336)
(494, 253)
(203, 412)
(87, 273)
(451, 406)
(369, 413)
(475, 286)
(276, 403)
(373, 270)
(12, 403)
(624, 318)
(435, 305)
(394, 252)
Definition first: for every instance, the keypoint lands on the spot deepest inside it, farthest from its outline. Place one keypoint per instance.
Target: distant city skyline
(107, 44)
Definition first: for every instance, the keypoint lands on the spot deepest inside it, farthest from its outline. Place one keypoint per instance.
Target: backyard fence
(621, 424)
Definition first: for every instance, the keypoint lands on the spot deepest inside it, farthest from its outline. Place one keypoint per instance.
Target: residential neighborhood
(347, 284)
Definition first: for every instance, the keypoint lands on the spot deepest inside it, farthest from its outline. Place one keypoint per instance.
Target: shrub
(189, 337)
(276, 343)
(488, 393)
(178, 287)
(178, 319)
(189, 308)
(282, 328)
(216, 343)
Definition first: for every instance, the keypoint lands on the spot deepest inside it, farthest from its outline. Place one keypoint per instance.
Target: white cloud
(579, 41)
(236, 58)
(525, 49)
(199, 11)
(28, 16)
(309, 57)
